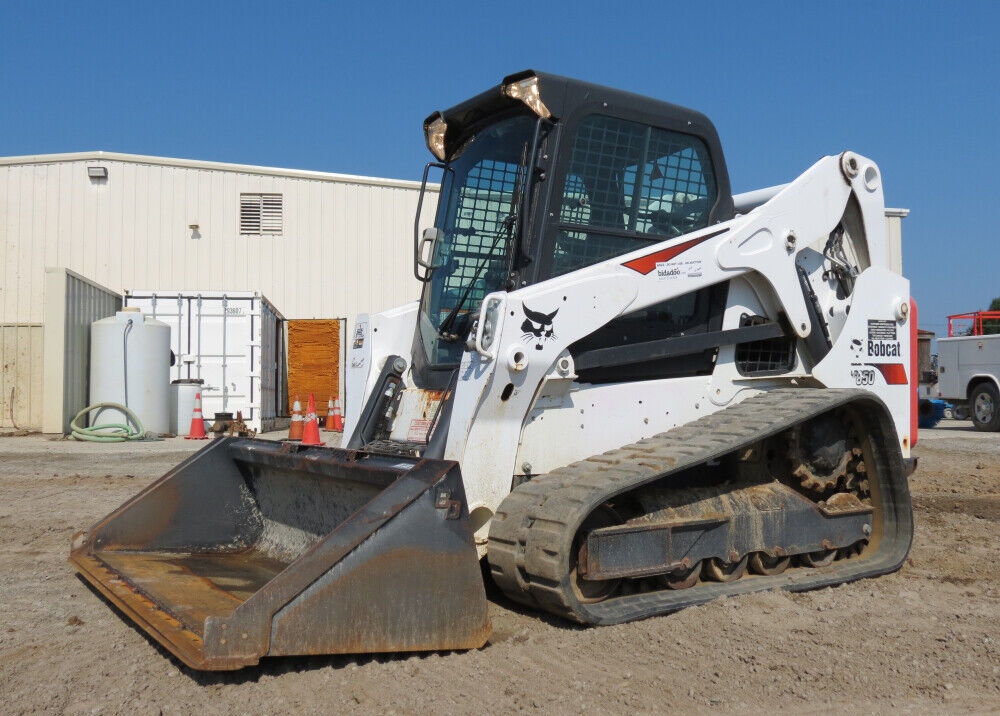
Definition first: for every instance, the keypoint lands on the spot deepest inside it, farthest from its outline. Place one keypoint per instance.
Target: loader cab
(545, 175)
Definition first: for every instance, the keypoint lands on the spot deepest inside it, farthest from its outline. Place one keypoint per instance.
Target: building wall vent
(260, 214)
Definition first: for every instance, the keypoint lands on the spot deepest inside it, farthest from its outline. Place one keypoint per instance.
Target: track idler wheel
(591, 591)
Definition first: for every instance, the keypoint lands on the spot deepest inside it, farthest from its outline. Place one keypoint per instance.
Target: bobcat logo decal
(538, 326)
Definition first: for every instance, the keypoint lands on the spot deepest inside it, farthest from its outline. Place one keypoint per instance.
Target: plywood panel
(313, 361)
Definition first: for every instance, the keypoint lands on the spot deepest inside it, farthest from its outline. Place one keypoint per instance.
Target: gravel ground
(925, 640)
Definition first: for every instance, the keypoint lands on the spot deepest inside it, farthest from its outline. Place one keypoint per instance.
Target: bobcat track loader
(625, 389)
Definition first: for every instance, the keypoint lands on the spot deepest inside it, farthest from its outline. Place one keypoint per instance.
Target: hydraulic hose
(110, 432)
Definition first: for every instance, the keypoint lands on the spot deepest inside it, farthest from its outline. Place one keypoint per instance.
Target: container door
(314, 361)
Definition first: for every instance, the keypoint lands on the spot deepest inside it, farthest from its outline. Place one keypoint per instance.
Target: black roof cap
(562, 95)
(565, 97)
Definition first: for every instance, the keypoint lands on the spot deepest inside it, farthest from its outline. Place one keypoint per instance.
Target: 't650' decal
(863, 376)
(864, 373)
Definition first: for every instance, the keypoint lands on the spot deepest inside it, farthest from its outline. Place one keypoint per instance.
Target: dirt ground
(925, 640)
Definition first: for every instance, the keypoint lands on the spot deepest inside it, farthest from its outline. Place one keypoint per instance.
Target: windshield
(478, 217)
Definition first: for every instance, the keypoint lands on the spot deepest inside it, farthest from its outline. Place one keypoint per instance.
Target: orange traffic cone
(310, 433)
(328, 425)
(334, 420)
(295, 428)
(197, 421)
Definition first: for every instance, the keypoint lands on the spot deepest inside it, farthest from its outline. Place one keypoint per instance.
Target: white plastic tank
(130, 365)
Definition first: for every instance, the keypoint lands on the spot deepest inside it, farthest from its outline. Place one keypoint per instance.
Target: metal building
(86, 227)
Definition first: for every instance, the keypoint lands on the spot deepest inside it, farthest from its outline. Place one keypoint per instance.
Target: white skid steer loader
(623, 389)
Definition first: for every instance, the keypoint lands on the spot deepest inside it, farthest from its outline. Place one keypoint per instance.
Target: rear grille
(772, 356)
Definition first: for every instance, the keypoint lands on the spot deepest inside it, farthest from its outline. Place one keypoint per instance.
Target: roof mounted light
(526, 90)
(434, 131)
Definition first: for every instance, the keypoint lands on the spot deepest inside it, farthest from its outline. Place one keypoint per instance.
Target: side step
(252, 548)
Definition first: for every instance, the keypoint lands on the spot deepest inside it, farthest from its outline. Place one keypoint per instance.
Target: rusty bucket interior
(252, 548)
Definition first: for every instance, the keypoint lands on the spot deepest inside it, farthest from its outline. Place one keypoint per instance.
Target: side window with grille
(629, 185)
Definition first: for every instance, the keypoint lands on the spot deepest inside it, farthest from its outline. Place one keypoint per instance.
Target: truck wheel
(985, 407)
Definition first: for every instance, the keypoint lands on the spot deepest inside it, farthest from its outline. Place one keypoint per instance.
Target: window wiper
(447, 325)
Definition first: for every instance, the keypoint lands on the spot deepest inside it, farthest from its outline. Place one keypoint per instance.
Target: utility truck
(969, 368)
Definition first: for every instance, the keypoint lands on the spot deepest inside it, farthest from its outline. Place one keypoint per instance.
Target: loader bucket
(252, 548)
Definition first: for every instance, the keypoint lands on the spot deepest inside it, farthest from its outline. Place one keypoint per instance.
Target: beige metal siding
(22, 255)
(21, 376)
(894, 237)
(346, 246)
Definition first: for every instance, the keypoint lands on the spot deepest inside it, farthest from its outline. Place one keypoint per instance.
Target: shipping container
(233, 341)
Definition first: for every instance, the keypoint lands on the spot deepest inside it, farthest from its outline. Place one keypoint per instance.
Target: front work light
(526, 90)
(434, 130)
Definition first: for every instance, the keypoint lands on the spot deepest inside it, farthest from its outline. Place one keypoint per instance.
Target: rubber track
(532, 532)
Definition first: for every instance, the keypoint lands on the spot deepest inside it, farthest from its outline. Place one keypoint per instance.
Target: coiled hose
(110, 432)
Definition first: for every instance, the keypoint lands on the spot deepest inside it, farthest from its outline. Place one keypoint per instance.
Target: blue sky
(344, 87)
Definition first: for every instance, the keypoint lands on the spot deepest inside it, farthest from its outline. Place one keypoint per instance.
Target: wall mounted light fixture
(97, 172)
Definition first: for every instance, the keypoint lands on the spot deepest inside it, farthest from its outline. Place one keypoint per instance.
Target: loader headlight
(487, 326)
(527, 91)
(490, 323)
(434, 131)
